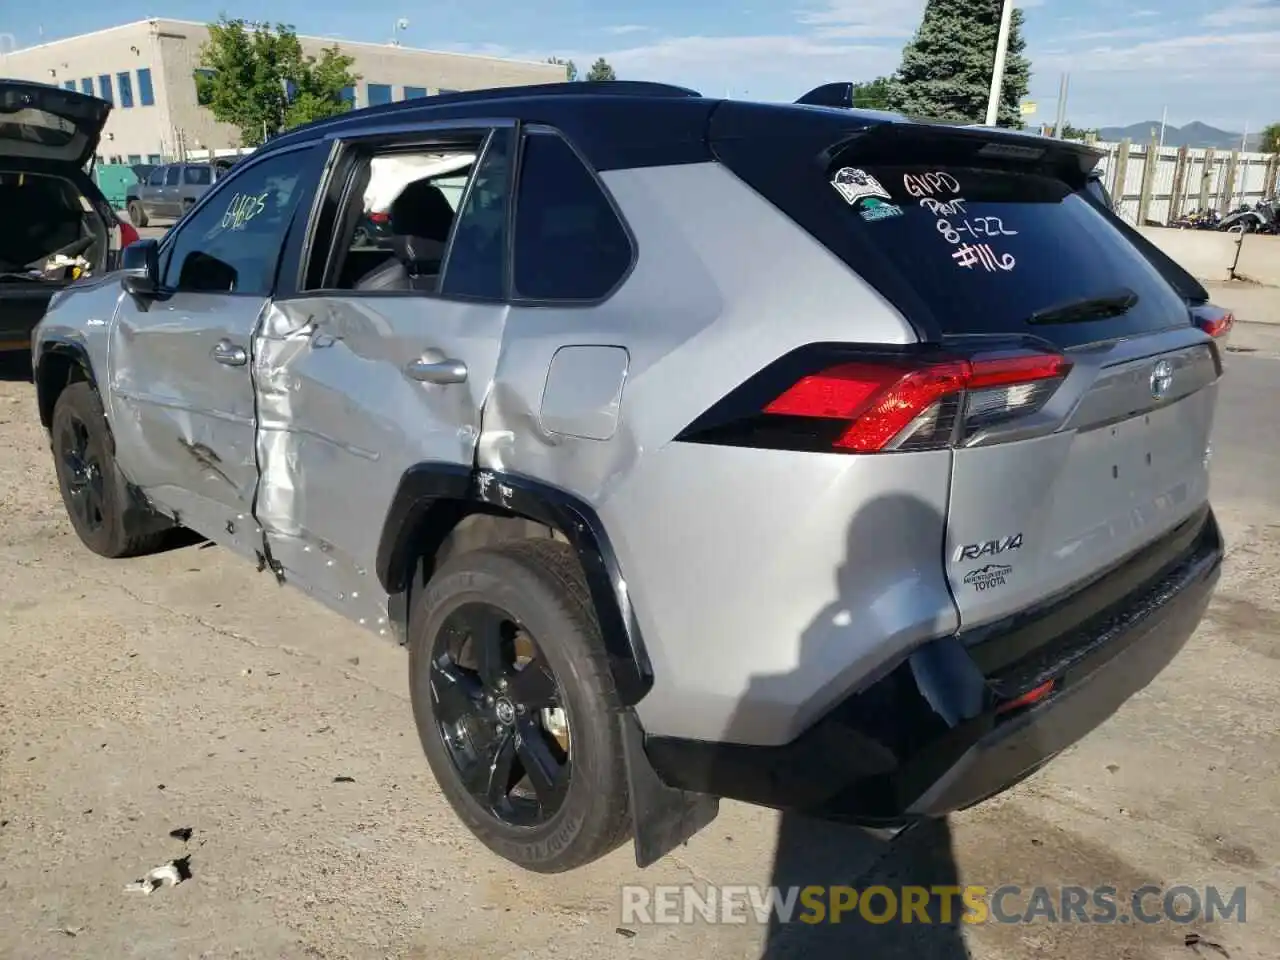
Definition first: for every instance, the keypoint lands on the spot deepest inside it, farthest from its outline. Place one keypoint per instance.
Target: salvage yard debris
(171, 874)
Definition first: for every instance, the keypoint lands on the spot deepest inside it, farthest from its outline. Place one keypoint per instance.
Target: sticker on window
(855, 185)
(879, 210)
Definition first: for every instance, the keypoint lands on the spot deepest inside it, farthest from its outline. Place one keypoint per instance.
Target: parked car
(169, 191)
(58, 227)
(820, 459)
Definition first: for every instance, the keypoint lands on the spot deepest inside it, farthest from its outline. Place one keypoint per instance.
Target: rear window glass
(979, 249)
(37, 126)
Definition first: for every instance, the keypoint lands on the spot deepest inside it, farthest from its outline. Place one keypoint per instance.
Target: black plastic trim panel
(436, 495)
(58, 347)
(917, 743)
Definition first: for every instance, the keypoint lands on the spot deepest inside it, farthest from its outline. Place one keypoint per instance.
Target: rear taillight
(380, 218)
(883, 404)
(128, 234)
(1215, 321)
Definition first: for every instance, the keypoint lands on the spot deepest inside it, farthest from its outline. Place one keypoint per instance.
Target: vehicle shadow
(811, 852)
(15, 366)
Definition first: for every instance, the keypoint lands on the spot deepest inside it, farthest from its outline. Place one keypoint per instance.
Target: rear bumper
(935, 735)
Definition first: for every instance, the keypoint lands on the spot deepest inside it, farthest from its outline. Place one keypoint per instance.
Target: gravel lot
(186, 690)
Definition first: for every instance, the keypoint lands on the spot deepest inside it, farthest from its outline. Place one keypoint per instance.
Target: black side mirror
(140, 262)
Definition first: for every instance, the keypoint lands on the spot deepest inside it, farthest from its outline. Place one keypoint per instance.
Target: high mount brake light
(882, 404)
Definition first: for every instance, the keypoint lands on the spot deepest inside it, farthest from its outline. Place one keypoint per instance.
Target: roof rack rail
(617, 88)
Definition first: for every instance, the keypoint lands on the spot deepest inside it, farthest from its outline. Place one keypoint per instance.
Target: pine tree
(946, 68)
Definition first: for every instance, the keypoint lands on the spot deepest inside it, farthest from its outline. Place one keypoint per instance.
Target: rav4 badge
(989, 548)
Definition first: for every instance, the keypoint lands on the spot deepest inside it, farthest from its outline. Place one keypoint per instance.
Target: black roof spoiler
(830, 95)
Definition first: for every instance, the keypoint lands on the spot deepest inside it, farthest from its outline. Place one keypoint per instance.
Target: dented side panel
(184, 420)
(342, 419)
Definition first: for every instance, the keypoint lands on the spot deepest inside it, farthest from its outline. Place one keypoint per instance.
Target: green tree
(600, 70)
(1070, 132)
(946, 68)
(873, 94)
(570, 68)
(257, 78)
(1270, 142)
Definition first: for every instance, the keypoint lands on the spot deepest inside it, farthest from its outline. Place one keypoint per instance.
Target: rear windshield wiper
(1110, 305)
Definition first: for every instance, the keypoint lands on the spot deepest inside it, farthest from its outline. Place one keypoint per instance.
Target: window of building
(203, 77)
(290, 91)
(443, 91)
(379, 93)
(124, 88)
(413, 93)
(569, 243)
(348, 95)
(86, 86)
(146, 93)
(135, 159)
(154, 158)
(104, 88)
(68, 85)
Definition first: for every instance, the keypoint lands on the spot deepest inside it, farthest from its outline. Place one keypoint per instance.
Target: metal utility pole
(997, 72)
(1062, 105)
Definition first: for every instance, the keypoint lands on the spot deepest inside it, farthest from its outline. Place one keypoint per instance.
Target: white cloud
(861, 19)
(1253, 13)
(624, 28)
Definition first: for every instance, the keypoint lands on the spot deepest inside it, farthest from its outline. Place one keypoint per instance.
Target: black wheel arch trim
(59, 347)
(435, 495)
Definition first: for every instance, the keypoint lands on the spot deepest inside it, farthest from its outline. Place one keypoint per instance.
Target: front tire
(529, 755)
(93, 491)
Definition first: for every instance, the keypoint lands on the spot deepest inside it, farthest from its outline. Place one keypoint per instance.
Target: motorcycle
(1263, 217)
(1198, 220)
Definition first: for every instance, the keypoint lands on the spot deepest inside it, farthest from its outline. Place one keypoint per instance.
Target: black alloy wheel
(84, 473)
(501, 714)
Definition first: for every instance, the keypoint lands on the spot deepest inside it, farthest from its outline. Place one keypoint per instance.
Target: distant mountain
(1194, 134)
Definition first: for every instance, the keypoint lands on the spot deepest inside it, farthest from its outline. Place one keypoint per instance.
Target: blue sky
(1212, 60)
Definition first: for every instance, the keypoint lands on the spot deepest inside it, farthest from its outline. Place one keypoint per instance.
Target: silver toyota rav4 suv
(695, 449)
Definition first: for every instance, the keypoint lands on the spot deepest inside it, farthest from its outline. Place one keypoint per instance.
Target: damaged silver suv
(695, 449)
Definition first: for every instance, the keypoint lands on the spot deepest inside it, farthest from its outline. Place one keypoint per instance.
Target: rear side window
(569, 243)
(198, 176)
(171, 176)
(975, 249)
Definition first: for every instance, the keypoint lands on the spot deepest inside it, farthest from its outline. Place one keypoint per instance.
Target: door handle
(438, 371)
(229, 354)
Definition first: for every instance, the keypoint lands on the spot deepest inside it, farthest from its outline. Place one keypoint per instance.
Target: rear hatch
(50, 123)
(1060, 360)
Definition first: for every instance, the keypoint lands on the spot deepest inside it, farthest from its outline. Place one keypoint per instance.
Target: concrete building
(147, 70)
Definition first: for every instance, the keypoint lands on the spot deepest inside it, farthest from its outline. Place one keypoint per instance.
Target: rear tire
(93, 491)
(137, 216)
(537, 586)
